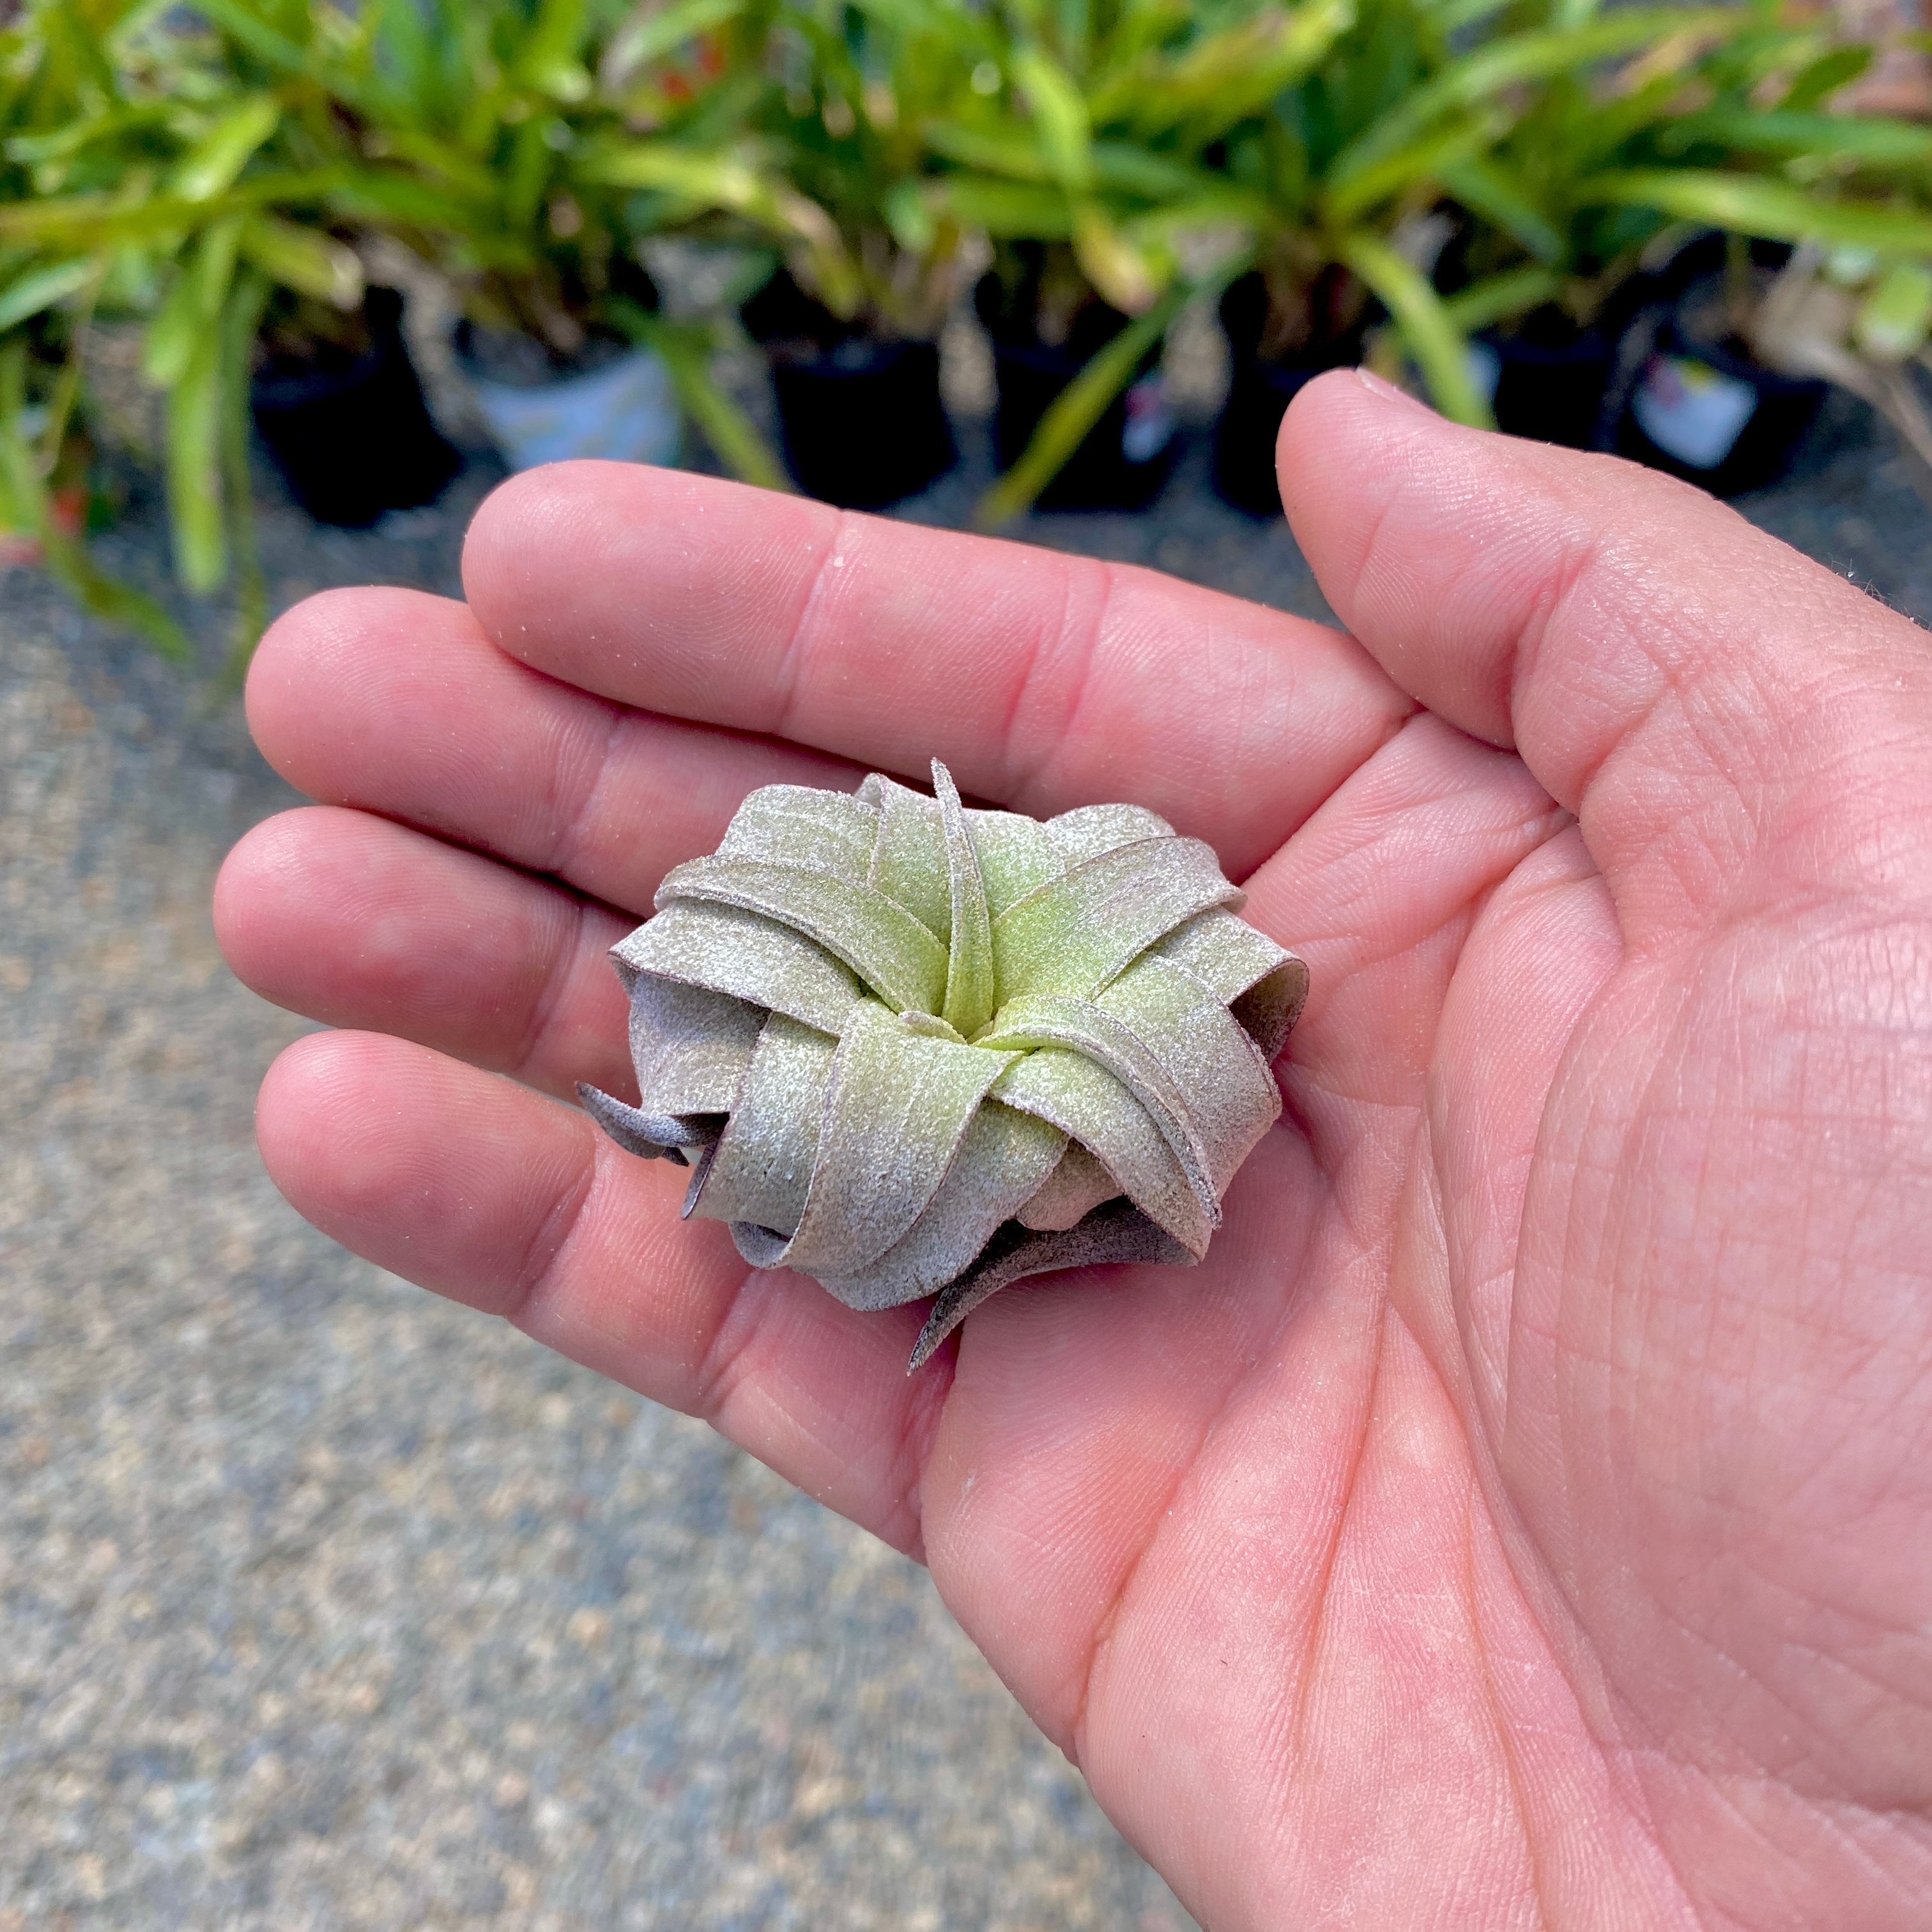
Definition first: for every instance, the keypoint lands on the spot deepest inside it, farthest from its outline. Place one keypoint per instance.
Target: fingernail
(1388, 392)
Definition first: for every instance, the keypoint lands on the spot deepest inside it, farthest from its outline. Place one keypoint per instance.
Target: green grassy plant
(1101, 131)
(1718, 124)
(524, 150)
(191, 170)
(182, 170)
(159, 183)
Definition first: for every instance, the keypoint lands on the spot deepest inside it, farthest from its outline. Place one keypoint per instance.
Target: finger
(396, 701)
(1045, 681)
(500, 1199)
(358, 922)
(1700, 694)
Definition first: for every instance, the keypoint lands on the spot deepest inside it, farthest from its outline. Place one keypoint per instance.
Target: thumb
(1724, 715)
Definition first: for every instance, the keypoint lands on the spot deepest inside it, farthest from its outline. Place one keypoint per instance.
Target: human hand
(1523, 1517)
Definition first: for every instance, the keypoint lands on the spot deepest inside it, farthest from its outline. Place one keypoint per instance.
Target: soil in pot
(1124, 460)
(1704, 408)
(346, 422)
(860, 417)
(1260, 389)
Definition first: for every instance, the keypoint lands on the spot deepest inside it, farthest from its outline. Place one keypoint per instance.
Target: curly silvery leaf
(913, 1050)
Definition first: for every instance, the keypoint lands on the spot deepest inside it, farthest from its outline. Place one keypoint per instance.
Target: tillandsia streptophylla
(913, 1050)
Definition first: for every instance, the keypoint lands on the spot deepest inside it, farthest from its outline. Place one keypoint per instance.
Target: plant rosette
(913, 1050)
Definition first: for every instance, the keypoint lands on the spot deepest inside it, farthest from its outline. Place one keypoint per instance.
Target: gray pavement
(324, 1604)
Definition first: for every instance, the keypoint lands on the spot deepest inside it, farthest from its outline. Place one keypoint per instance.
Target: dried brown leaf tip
(913, 1050)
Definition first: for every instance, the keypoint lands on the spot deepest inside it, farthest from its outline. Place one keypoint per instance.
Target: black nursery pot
(1259, 391)
(1121, 464)
(352, 434)
(862, 421)
(1259, 394)
(1706, 410)
(1553, 380)
(1123, 460)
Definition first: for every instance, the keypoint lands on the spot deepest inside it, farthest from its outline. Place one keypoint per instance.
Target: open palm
(1524, 1516)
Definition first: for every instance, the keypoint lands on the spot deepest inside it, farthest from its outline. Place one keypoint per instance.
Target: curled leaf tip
(933, 1026)
(915, 1050)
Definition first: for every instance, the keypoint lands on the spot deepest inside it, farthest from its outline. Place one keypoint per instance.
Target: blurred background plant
(1088, 149)
(1714, 127)
(524, 153)
(846, 124)
(872, 262)
(158, 185)
(214, 193)
(1852, 317)
(1502, 134)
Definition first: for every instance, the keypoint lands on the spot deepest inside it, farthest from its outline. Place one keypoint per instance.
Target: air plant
(913, 1050)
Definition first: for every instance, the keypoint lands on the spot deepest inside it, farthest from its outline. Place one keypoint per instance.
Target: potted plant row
(522, 154)
(1615, 252)
(1093, 152)
(1496, 202)
(851, 320)
(210, 179)
(1395, 189)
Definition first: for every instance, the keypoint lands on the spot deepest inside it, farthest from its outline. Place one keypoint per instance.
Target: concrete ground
(324, 1604)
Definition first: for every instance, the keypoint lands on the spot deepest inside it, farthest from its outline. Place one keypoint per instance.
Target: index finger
(1043, 680)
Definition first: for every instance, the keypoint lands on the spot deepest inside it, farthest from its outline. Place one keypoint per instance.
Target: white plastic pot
(627, 410)
(1690, 411)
